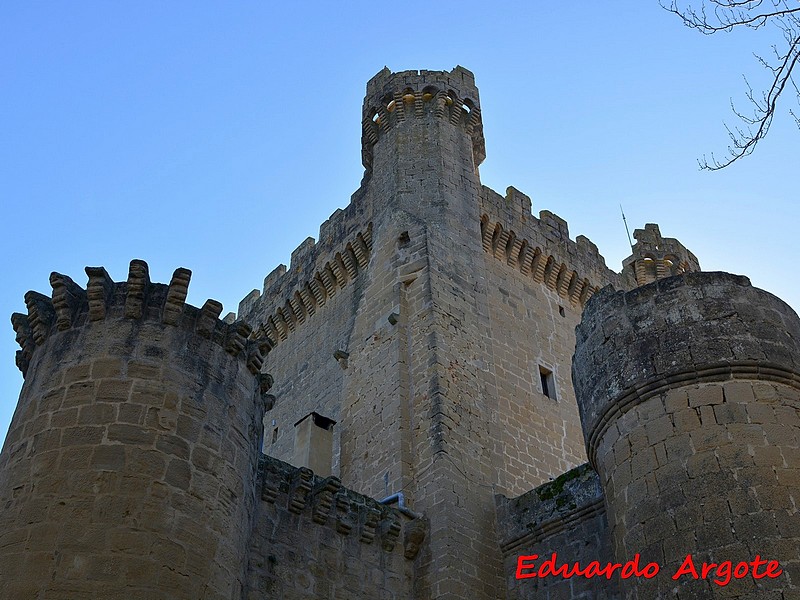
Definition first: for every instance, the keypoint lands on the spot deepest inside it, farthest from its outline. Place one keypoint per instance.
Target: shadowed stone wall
(538, 280)
(565, 517)
(314, 538)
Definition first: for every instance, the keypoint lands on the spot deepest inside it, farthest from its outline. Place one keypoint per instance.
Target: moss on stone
(548, 491)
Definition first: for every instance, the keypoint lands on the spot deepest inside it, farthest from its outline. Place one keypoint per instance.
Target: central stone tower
(419, 345)
(402, 346)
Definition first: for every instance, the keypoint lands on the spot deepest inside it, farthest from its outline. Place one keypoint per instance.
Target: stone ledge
(549, 509)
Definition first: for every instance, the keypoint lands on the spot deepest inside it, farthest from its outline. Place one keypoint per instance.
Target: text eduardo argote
(720, 573)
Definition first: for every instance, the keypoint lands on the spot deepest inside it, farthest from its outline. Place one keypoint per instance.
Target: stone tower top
(684, 330)
(655, 257)
(394, 97)
(139, 299)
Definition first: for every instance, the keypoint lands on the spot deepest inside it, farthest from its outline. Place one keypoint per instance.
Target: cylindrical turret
(397, 99)
(689, 391)
(129, 466)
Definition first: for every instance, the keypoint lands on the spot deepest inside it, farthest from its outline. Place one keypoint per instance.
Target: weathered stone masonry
(138, 414)
(690, 403)
(694, 427)
(420, 355)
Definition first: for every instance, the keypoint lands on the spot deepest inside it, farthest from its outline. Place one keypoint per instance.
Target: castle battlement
(334, 521)
(407, 410)
(655, 257)
(447, 95)
(72, 307)
(327, 503)
(342, 234)
(541, 247)
(291, 297)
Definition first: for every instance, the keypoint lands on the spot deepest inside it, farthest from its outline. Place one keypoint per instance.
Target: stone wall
(314, 539)
(537, 282)
(565, 517)
(305, 317)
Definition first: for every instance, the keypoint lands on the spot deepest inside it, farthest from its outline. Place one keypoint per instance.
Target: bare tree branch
(716, 16)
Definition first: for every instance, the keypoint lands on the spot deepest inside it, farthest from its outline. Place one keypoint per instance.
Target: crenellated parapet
(393, 98)
(325, 502)
(293, 297)
(71, 306)
(540, 248)
(656, 257)
(303, 518)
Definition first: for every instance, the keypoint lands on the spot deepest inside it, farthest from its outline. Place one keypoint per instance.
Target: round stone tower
(396, 101)
(129, 466)
(689, 390)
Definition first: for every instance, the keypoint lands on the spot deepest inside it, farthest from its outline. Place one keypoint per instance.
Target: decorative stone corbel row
(384, 114)
(72, 307)
(307, 299)
(325, 502)
(532, 261)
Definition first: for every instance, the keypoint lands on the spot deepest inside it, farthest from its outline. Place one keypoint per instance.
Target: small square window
(548, 382)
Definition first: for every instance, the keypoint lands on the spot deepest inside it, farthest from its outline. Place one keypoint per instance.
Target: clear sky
(218, 136)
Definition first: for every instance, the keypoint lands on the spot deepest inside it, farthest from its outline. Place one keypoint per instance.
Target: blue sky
(218, 136)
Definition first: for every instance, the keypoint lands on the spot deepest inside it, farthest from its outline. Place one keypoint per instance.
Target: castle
(399, 414)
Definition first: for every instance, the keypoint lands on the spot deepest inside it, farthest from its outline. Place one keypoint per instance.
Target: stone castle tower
(418, 404)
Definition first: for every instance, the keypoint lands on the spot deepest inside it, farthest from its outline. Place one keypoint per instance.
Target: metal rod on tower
(626, 226)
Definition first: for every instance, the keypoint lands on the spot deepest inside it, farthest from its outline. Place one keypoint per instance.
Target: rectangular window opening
(548, 382)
